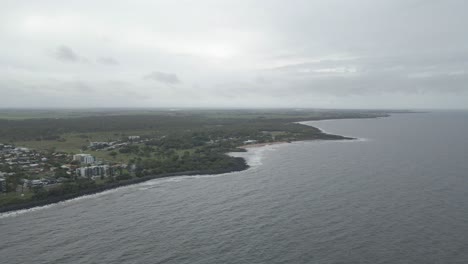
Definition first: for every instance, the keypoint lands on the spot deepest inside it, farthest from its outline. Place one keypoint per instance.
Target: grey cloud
(381, 85)
(66, 54)
(63, 93)
(410, 74)
(450, 61)
(107, 61)
(167, 78)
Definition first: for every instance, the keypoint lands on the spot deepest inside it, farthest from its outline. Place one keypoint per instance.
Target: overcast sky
(239, 53)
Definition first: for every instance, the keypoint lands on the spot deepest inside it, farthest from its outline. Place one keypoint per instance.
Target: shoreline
(111, 186)
(115, 185)
(258, 145)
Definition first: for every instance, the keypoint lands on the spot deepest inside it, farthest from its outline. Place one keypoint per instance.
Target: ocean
(398, 194)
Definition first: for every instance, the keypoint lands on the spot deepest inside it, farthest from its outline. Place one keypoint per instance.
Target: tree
(12, 182)
(123, 176)
(61, 173)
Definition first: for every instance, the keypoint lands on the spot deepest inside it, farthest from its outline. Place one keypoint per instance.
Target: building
(88, 172)
(84, 158)
(133, 137)
(36, 183)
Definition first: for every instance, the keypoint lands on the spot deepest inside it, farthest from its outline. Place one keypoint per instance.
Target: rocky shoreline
(110, 186)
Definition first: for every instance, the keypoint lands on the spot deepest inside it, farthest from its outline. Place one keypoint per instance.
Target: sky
(410, 54)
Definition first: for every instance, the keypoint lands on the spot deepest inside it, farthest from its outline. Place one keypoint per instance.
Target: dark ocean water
(398, 196)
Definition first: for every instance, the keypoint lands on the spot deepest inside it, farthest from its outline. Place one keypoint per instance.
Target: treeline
(214, 123)
(50, 129)
(189, 162)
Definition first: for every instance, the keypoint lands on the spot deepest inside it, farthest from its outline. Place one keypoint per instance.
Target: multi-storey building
(102, 170)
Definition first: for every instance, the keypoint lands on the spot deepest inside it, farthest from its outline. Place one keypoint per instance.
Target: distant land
(50, 155)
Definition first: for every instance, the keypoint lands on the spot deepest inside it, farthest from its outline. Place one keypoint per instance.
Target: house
(133, 138)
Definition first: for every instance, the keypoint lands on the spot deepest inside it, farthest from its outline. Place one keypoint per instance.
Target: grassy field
(73, 142)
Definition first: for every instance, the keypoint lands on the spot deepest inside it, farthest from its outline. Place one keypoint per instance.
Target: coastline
(110, 186)
(258, 145)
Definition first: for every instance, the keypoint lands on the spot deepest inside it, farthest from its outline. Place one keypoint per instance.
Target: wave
(254, 156)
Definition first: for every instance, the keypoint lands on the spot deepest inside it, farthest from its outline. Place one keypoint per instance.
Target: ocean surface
(397, 195)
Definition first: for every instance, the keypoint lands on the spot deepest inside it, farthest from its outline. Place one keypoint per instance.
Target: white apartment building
(102, 170)
(84, 158)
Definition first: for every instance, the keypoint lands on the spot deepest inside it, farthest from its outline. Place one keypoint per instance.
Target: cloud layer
(235, 53)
